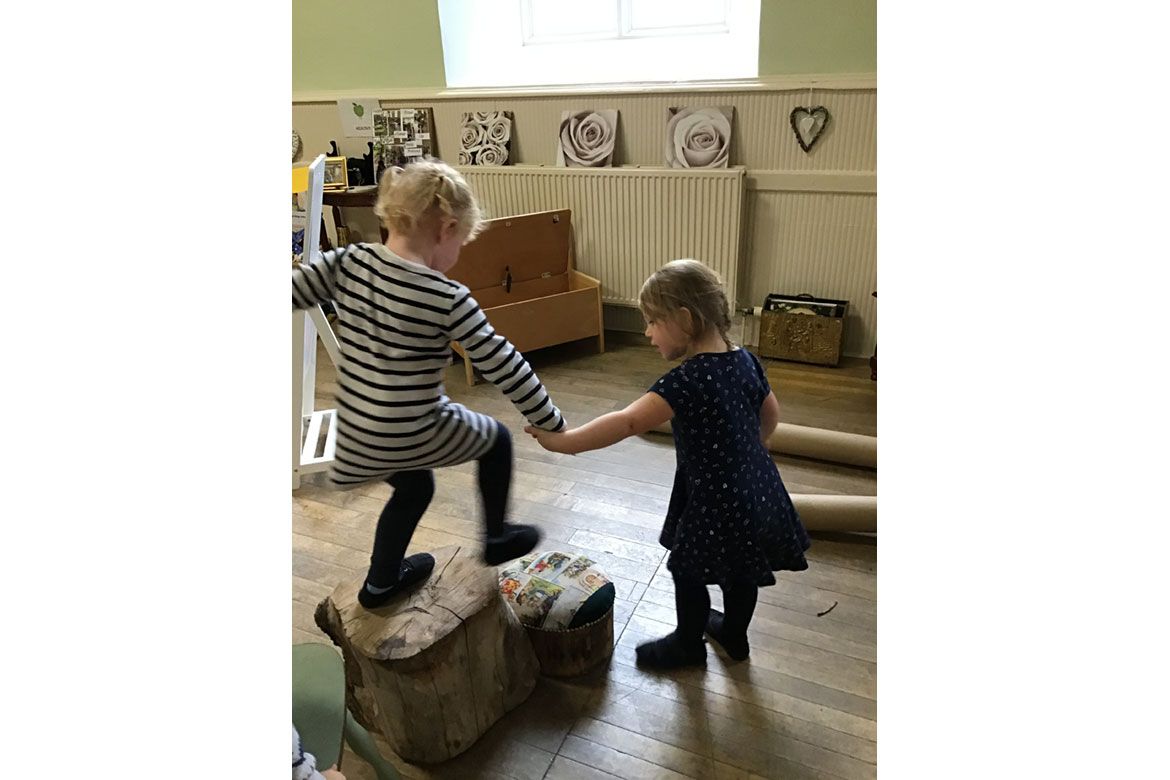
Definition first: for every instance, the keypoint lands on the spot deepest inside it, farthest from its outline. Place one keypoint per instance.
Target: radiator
(628, 222)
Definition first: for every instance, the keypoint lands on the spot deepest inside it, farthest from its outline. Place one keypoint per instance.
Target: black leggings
(692, 603)
(413, 491)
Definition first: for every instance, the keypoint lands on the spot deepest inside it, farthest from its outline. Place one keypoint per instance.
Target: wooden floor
(802, 706)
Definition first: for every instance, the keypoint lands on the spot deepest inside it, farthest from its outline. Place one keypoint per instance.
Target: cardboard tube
(857, 514)
(853, 449)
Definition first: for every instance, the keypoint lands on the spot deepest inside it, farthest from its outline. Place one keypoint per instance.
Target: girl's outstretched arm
(501, 363)
(313, 282)
(769, 416)
(647, 412)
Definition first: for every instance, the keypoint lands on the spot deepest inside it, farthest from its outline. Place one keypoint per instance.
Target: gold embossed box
(803, 328)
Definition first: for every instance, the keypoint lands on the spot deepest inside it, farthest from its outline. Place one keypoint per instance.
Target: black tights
(692, 603)
(413, 491)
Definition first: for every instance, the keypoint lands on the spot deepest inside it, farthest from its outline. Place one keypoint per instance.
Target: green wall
(817, 36)
(360, 44)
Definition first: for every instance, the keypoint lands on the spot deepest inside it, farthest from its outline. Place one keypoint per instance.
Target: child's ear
(686, 320)
(450, 227)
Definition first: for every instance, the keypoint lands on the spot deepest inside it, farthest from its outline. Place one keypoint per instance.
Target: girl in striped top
(397, 315)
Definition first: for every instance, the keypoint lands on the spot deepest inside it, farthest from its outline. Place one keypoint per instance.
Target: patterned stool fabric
(556, 591)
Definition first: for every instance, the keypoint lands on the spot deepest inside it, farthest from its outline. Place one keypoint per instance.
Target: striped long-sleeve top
(396, 320)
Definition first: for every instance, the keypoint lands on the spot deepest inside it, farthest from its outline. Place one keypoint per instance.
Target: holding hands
(553, 442)
(642, 415)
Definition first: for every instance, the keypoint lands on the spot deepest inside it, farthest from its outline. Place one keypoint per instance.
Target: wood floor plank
(680, 727)
(320, 571)
(861, 556)
(622, 548)
(309, 591)
(342, 499)
(564, 768)
(777, 742)
(625, 484)
(619, 764)
(626, 497)
(808, 727)
(300, 636)
(757, 674)
(502, 758)
(840, 580)
(717, 686)
(661, 754)
(303, 620)
(802, 475)
(548, 715)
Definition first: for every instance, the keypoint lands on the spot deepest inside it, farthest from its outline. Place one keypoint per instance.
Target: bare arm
(769, 416)
(647, 412)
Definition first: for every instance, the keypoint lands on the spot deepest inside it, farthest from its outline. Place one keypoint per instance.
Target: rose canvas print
(586, 138)
(486, 138)
(698, 137)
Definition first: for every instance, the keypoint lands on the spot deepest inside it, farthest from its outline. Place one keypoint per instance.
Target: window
(498, 43)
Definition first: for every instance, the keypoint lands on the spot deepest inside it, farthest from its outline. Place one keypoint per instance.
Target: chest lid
(525, 247)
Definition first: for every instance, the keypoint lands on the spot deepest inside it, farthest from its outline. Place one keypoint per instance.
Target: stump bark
(435, 668)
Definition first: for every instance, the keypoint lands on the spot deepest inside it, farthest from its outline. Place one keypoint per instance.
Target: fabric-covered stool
(566, 604)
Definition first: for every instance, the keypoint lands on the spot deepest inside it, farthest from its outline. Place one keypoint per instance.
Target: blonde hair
(424, 191)
(688, 284)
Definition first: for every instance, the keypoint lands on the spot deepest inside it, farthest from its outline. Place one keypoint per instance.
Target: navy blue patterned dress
(730, 519)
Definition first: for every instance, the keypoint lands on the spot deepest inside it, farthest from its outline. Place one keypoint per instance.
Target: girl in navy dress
(730, 521)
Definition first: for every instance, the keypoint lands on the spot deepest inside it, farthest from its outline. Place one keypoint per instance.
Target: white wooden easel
(307, 422)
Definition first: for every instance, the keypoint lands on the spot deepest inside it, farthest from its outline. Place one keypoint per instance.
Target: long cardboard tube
(853, 449)
(857, 514)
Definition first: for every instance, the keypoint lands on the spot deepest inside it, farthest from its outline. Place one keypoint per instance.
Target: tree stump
(435, 668)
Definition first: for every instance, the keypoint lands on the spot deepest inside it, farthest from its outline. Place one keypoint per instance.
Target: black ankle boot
(415, 569)
(671, 653)
(515, 541)
(734, 646)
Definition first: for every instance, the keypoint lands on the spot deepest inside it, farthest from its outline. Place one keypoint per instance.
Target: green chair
(319, 713)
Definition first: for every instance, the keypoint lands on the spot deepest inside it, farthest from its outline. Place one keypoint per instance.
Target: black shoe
(415, 569)
(515, 541)
(669, 653)
(736, 647)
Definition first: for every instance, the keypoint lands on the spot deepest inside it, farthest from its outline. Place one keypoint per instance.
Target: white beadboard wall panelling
(819, 243)
(761, 135)
(628, 222)
(788, 181)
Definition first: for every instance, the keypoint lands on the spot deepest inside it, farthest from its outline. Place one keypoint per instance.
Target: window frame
(623, 27)
(489, 44)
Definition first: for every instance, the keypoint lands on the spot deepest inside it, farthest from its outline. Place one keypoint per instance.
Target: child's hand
(553, 442)
(332, 774)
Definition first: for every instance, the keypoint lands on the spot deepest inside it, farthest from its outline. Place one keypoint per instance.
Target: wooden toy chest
(520, 270)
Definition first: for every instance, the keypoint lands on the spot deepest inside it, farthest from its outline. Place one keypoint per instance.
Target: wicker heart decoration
(808, 124)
